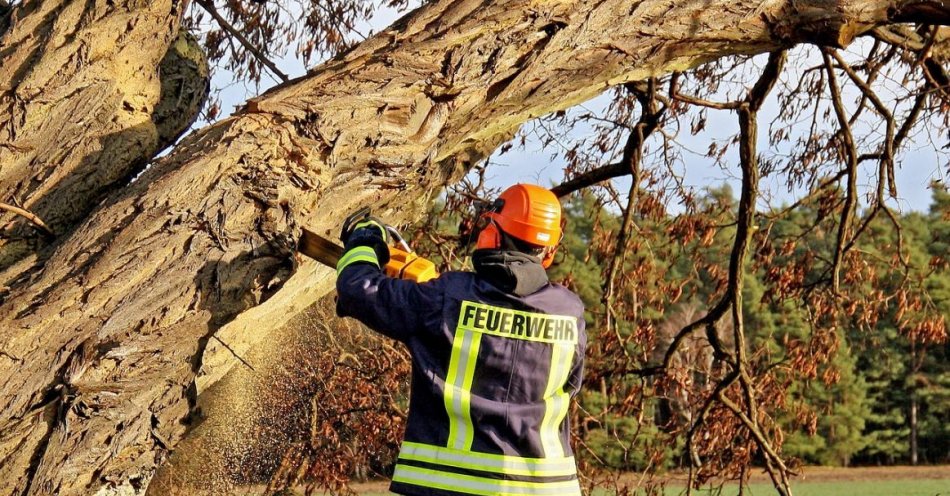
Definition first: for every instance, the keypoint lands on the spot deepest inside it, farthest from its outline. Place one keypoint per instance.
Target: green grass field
(817, 481)
(927, 487)
(931, 487)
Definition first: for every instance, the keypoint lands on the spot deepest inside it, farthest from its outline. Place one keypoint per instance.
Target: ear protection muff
(548, 257)
(490, 236)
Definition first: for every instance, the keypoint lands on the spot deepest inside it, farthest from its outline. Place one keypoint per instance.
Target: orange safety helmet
(526, 212)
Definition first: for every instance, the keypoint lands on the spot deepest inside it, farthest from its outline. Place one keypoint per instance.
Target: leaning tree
(131, 284)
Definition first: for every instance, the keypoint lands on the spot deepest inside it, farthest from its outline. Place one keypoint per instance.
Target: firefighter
(496, 354)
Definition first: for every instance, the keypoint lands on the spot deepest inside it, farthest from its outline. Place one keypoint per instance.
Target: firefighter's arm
(392, 307)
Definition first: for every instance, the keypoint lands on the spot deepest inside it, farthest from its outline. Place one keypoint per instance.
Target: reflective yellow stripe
(556, 400)
(357, 254)
(366, 224)
(478, 319)
(508, 323)
(486, 462)
(458, 388)
(470, 484)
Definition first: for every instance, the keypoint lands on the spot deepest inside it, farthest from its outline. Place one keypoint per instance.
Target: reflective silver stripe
(357, 254)
(458, 388)
(470, 484)
(486, 462)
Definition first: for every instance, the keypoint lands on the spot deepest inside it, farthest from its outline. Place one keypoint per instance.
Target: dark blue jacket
(492, 378)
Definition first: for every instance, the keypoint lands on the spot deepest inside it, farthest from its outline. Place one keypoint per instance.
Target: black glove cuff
(369, 236)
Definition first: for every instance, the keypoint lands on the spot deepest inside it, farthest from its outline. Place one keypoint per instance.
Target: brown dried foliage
(731, 412)
(357, 408)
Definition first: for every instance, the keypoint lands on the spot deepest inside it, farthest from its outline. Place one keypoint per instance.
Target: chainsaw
(403, 263)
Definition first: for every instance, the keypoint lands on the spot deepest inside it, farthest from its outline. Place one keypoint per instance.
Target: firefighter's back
(493, 374)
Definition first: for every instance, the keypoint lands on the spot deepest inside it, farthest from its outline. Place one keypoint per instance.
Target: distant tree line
(880, 395)
(875, 390)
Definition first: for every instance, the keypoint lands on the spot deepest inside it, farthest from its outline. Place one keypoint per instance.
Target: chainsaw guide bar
(402, 264)
(320, 249)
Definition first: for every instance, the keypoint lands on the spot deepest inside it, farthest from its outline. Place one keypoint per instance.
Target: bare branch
(773, 68)
(744, 223)
(209, 7)
(233, 353)
(592, 177)
(921, 11)
(648, 122)
(771, 455)
(30, 216)
(900, 35)
(850, 152)
(748, 159)
(937, 76)
(809, 197)
(911, 119)
(632, 156)
(692, 100)
(886, 172)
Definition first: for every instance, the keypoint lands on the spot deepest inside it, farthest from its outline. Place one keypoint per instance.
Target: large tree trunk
(102, 346)
(89, 93)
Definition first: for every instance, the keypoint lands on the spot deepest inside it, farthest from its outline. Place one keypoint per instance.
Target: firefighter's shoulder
(572, 304)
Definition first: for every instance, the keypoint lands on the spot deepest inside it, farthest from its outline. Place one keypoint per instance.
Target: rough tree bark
(104, 349)
(89, 93)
